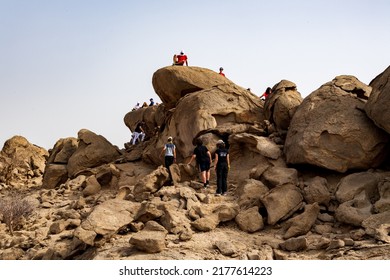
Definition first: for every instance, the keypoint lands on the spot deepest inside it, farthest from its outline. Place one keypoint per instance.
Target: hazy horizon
(71, 65)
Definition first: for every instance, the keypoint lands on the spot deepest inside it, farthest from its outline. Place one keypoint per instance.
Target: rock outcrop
(331, 130)
(377, 107)
(92, 151)
(280, 106)
(22, 163)
(205, 104)
(99, 202)
(172, 83)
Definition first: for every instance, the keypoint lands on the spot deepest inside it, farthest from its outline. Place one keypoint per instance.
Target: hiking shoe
(224, 194)
(217, 194)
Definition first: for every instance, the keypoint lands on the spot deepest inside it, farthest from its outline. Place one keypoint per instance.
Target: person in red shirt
(266, 93)
(180, 59)
(221, 72)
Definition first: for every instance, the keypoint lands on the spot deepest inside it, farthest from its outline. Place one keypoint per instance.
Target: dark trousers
(222, 172)
(169, 160)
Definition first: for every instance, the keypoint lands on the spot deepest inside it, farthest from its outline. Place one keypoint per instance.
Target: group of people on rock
(144, 105)
(203, 159)
(182, 59)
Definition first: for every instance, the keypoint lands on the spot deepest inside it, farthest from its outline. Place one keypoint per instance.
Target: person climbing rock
(203, 158)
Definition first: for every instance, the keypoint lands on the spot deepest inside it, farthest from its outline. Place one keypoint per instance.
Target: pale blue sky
(73, 64)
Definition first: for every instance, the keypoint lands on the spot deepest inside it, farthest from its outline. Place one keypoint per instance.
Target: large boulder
(355, 183)
(250, 220)
(149, 241)
(378, 226)
(316, 190)
(281, 202)
(150, 184)
(302, 223)
(383, 204)
(205, 112)
(21, 161)
(63, 149)
(196, 102)
(153, 118)
(106, 220)
(56, 171)
(249, 193)
(331, 130)
(277, 176)
(252, 155)
(93, 150)
(281, 105)
(172, 83)
(378, 104)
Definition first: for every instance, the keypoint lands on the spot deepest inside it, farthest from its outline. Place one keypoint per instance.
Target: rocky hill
(309, 178)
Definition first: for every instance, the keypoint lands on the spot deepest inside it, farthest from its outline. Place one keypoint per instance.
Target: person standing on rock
(170, 154)
(180, 59)
(203, 159)
(222, 166)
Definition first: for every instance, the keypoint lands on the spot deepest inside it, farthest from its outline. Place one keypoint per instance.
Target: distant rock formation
(22, 163)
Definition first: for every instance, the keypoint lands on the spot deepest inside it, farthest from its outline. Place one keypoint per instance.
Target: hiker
(221, 72)
(180, 59)
(138, 133)
(151, 102)
(203, 159)
(221, 166)
(170, 154)
(136, 107)
(267, 92)
(144, 105)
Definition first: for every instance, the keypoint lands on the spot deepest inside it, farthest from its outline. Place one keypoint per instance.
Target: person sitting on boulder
(136, 107)
(180, 59)
(267, 92)
(151, 102)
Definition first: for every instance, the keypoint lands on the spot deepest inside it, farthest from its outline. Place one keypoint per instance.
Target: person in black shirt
(222, 166)
(203, 159)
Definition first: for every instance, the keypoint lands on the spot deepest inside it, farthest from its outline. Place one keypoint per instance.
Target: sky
(67, 65)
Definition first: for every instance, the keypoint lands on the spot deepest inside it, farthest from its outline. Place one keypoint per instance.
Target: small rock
(294, 244)
(226, 248)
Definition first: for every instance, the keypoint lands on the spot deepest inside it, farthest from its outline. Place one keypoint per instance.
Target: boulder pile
(309, 178)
